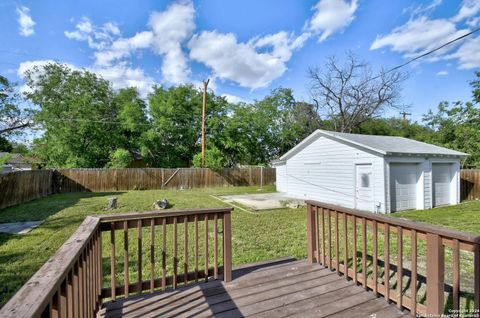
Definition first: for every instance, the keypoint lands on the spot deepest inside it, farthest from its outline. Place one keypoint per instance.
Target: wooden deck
(272, 289)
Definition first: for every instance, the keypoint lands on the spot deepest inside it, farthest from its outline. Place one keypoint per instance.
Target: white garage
(373, 173)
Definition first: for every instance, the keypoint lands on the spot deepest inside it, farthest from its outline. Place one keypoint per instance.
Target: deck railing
(73, 282)
(349, 241)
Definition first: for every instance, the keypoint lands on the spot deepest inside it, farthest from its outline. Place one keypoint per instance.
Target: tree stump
(112, 203)
(161, 204)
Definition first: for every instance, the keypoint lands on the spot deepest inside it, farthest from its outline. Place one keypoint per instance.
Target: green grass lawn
(463, 217)
(260, 236)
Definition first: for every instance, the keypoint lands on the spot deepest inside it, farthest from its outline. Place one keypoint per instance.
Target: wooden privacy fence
(470, 184)
(402, 260)
(19, 187)
(22, 186)
(99, 180)
(107, 255)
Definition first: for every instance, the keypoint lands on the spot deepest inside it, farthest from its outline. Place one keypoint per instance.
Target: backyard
(256, 236)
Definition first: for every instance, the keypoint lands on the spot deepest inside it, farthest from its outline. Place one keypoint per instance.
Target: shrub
(120, 158)
(214, 159)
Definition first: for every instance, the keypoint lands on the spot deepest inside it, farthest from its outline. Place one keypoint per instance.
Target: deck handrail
(47, 290)
(71, 282)
(329, 224)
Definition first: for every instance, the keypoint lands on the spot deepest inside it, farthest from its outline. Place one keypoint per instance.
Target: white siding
(325, 171)
(281, 177)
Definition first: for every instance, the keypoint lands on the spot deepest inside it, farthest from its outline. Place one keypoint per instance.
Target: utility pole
(204, 107)
(405, 114)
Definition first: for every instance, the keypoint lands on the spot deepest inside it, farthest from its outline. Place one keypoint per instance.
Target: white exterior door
(281, 178)
(364, 187)
(441, 182)
(403, 186)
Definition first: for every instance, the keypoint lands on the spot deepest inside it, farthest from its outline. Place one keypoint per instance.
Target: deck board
(279, 289)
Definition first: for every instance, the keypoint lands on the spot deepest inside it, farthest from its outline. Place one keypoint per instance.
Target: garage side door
(441, 180)
(403, 186)
(281, 175)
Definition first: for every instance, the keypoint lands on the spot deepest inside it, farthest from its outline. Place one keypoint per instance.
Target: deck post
(312, 233)
(227, 247)
(435, 274)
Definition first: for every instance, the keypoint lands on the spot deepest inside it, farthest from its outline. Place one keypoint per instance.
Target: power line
(96, 121)
(427, 53)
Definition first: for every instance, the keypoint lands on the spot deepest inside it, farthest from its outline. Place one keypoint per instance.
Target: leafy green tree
(132, 116)
(3, 159)
(395, 127)
(176, 124)
(457, 125)
(214, 159)
(120, 158)
(259, 132)
(77, 113)
(5, 145)
(13, 118)
(20, 148)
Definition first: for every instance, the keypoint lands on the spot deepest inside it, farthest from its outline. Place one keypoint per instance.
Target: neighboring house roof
(384, 145)
(19, 162)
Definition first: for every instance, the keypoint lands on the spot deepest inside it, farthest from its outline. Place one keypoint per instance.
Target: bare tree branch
(350, 94)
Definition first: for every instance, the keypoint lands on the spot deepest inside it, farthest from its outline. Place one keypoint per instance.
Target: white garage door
(441, 181)
(403, 186)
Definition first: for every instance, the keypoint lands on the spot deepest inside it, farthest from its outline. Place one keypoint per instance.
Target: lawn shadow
(41, 209)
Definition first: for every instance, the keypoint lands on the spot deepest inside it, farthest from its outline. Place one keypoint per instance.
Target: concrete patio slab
(263, 201)
(19, 227)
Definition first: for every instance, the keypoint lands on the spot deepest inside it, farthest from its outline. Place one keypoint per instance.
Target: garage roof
(385, 145)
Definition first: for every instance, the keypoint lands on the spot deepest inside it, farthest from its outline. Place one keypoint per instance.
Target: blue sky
(246, 47)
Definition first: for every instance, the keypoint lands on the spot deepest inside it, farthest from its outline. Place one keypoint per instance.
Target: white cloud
(171, 28)
(473, 22)
(97, 37)
(468, 54)
(442, 73)
(252, 64)
(234, 99)
(35, 66)
(110, 52)
(422, 9)
(25, 21)
(468, 9)
(418, 36)
(122, 48)
(122, 75)
(331, 16)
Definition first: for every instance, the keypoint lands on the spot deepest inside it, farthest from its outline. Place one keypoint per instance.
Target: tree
(351, 94)
(259, 132)
(5, 145)
(457, 125)
(13, 119)
(214, 159)
(395, 127)
(132, 116)
(176, 124)
(120, 158)
(77, 113)
(3, 159)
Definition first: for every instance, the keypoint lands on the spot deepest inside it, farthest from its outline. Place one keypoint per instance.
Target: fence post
(312, 234)
(227, 247)
(435, 274)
